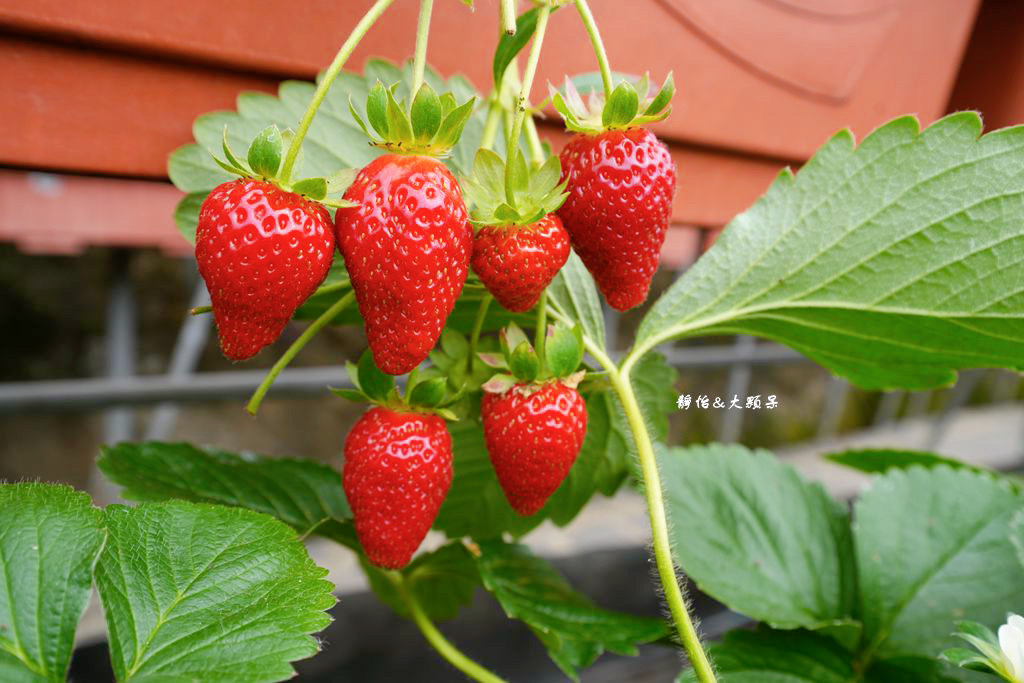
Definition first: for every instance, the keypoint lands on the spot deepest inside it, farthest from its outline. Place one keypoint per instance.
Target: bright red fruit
(407, 248)
(516, 262)
(534, 435)
(262, 252)
(398, 469)
(621, 184)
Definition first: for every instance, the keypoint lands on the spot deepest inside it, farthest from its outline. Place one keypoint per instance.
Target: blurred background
(96, 282)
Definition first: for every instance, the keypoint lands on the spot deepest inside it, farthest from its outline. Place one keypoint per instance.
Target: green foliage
(442, 581)
(574, 294)
(878, 460)
(932, 548)
(305, 495)
(753, 534)
(887, 262)
(201, 591)
(573, 629)
(49, 540)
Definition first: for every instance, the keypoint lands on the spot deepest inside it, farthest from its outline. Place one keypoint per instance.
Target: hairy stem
(595, 40)
(422, 33)
(293, 350)
(540, 332)
(619, 379)
(437, 640)
(524, 97)
(328, 80)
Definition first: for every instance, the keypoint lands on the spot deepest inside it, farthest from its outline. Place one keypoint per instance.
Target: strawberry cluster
(264, 245)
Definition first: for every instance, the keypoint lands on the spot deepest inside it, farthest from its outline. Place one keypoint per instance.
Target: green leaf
(426, 114)
(524, 362)
(932, 548)
(266, 152)
(50, 536)
(194, 591)
(907, 670)
(374, 382)
(186, 215)
(767, 656)
(305, 495)
(314, 188)
(399, 125)
(511, 45)
(574, 294)
(878, 460)
(661, 100)
(573, 629)
(429, 392)
(754, 535)
(892, 263)
(443, 581)
(377, 109)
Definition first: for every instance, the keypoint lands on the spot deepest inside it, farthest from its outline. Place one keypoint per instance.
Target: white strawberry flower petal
(1011, 642)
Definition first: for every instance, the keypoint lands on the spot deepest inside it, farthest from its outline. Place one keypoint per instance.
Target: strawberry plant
(894, 263)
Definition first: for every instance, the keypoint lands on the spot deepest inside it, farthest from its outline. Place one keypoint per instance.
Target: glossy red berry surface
(621, 185)
(407, 247)
(534, 435)
(262, 252)
(397, 472)
(516, 262)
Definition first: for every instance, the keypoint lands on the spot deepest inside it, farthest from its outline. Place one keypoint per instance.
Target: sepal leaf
(265, 152)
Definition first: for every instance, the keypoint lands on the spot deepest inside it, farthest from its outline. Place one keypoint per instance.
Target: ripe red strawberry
(407, 248)
(398, 469)
(534, 435)
(262, 252)
(516, 262)
(621, 184)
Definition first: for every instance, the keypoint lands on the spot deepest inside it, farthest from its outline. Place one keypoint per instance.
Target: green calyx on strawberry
(430, 125)
(426, 391)
(628, 106)
(524, 198)
(519, 362)
(265, 158)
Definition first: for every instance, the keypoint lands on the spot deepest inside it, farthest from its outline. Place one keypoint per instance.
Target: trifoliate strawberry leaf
(50, 536)
(754, 535)
(877, 461)
(933, 547)
(303, 494)
(893, 263)
(442, 581)
(206, 592)
(572, 628)
(335, 139)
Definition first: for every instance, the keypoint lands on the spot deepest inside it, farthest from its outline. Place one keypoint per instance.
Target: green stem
(540, 331)
(455, 657)
(422, 33)
(293, 350)
(508, 16)
(491, 123)
(478, 324)
(595, 40)
(199, 310)
(536, 148)
(656, 509)
(328, 79)
(524, 98)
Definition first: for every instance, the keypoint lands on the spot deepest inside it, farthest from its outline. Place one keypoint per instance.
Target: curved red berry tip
(516, 263)
(262, 252)
(397, 472)
(621, 184)
(407, 247)
(534, 435)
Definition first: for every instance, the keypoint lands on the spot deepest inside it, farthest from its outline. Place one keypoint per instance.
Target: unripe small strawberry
(534, 434)
(262, 252)
(397, 472)
(517, 262)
